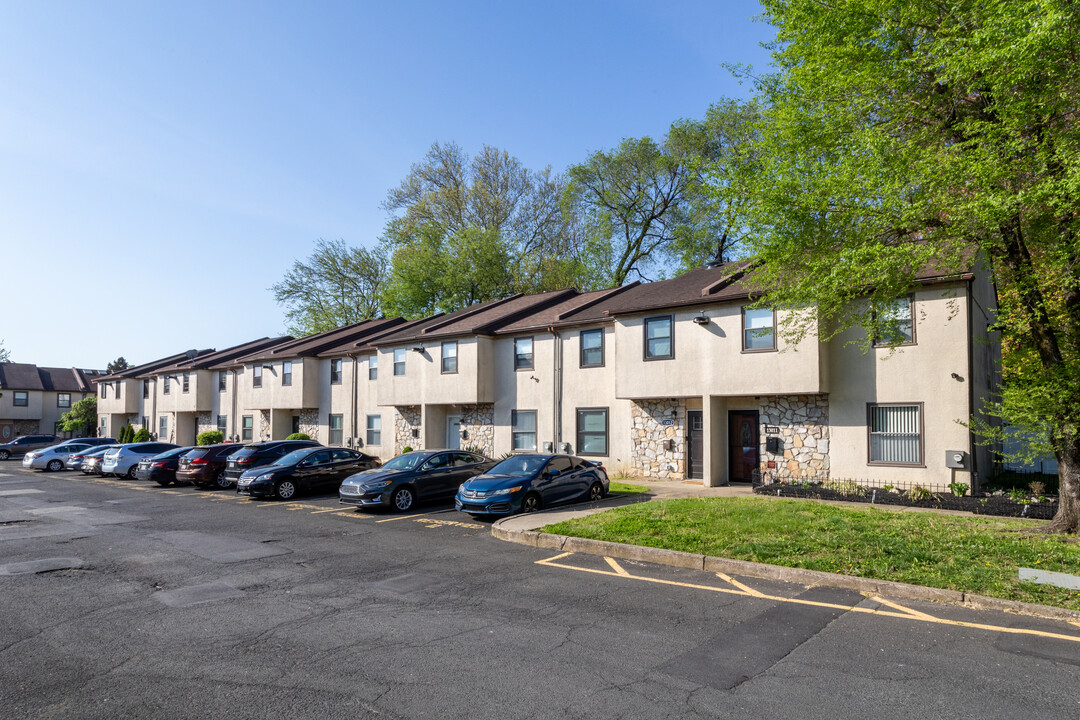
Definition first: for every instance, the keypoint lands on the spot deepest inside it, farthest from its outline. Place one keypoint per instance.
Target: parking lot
(125, 599)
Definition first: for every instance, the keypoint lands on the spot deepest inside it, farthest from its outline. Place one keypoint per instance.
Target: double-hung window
(399, 361)
(221, 381)
(523, 353)
(163, 428)
(165, 387)
(449, 356)
(145, 389)
(63, 400)
(373, 367)
(374, 430)
(248, 428)
(659, 338)
(187, 382)
(592, 431)
(335, 429)
(256, 376)
(894, 323)
(335, 371)
(759, 329)
(222, 424)
(523, 425)
(592, 348)
(896, 432)
(22, 399)
(286, 372)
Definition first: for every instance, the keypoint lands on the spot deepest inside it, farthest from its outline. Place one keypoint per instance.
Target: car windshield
(523, 465)
(169, 454)
(404, 462)
(293, 458)
(192, 454)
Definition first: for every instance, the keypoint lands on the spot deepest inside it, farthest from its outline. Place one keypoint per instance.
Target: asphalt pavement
(123, 599)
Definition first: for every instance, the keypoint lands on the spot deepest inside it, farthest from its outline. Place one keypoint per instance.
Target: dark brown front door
(694, 440)
(742, 444)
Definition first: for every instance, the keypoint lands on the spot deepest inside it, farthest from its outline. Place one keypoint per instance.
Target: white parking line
(20, 492)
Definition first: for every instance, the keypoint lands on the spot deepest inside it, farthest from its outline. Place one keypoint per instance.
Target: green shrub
(1037, 487)
(142, 436)
(299, 436)
(406, 449)
(126, 434)
(917, 493)
(846, 487)
(959, 489)
(210, 437)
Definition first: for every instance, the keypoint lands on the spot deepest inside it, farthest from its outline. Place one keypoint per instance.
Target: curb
(707, 563)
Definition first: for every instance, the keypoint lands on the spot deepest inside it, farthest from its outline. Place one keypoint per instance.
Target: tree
(459, 215)
(5, 354)
(117, 365)
(143, 435)
(337, 285)
(907, 134)
(82, 417)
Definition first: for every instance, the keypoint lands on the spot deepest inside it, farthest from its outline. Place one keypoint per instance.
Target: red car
(205, 466)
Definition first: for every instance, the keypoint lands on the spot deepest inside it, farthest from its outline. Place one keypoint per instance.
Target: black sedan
(161, 468)
(426, 475)
(307, 469)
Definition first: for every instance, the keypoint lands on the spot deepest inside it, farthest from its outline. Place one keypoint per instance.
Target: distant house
(33, 398)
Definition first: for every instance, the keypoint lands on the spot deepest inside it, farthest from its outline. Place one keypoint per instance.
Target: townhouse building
(683, 379)
(32, 398)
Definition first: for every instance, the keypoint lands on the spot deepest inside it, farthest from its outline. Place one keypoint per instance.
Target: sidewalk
(523, 530)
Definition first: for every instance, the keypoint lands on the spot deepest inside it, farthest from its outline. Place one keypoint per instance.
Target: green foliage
(958, 489)
(143, 435)
(126, 434)
(337, 285)
(406, 449)
(117, 365)
(971, 554)
(210, 437)
(887, 488)
(296, 436)
(82, 417)
(1037, 488)
(917, 493)
(847, 487)
(904, 136)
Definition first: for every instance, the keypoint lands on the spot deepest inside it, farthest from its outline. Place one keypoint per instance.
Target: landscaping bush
(143, 435)
(210, 437)
(406, 449)
(299, 436)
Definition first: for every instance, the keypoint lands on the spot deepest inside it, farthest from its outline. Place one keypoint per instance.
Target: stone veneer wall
(263, 429)
(30, 427)
(309, 424)
(406, 419)
(650, 457)
(204, 422)
(479, 422)
(804, 431)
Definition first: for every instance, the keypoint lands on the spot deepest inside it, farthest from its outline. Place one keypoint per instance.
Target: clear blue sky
(162, 164)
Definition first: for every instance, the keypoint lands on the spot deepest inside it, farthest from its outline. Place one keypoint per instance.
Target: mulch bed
(999, 505)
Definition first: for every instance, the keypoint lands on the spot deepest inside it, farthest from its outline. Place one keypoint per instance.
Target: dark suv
(22, 445)
(260, 454)
(205, 466)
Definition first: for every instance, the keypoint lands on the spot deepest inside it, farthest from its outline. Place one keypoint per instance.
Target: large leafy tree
(82, 417)
(902, 133)
(117, 365)
(5, 354)
(477, 210)
(337, 285)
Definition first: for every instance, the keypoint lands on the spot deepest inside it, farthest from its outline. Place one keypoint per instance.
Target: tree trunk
(1067, 519)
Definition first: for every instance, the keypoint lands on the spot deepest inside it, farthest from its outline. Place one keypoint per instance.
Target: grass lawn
(974, 554)
(621, 488)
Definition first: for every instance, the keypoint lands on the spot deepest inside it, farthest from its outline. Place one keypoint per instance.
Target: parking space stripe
(616, 567)
(899, 612)
(337, 509)
(403, 517)
(749, 590)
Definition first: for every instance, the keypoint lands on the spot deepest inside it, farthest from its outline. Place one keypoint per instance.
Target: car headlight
(376, 485)
(506, 491)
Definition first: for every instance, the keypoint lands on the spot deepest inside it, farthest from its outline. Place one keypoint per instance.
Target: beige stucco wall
(424, 381)
(130, 399)
(302, 393)
(919, 373)
(709, 359)
(32, 410)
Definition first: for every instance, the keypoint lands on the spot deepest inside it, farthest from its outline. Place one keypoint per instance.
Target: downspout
(232, 416)
(975, 479)
(352, 401)
(556, 389)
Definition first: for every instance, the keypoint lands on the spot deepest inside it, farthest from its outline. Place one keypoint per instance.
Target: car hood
(486, 482)
(262, 470)
(375, 474)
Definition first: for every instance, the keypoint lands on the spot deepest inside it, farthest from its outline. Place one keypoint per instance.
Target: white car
(52, 458)
(124, 459)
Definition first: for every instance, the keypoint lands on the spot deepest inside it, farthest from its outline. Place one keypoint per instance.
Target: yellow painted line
(901, 608)
(403, 517)
(910, 615)
(749, 590)
(616, 567)
(337, 509)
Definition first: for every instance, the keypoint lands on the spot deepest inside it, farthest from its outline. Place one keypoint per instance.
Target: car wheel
(531, 503)
(596, 492)
(285, 489)
(54, 465)
(222, 482)
(5, 455)
(131, 472)
(403, 499)
(163, 482)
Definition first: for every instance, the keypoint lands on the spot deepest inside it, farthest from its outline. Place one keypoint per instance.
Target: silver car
(21, 445)
(124, 460)
(52, 458)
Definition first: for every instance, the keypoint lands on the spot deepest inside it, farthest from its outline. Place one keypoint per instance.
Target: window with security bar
(896, 434)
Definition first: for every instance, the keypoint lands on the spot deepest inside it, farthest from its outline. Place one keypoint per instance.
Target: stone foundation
(652, 440)
(262, 429)
(28, 427)
(406, 419)
(804, 436)
(204, 422)
(309, 424)
(479, 422)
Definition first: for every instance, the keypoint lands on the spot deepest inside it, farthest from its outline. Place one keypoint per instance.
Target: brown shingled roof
(20, 376)
(27, 376)
(148, 368)
(222, 357)
(313, 345)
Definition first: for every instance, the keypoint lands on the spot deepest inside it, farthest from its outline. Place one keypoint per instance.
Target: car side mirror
(552, 472)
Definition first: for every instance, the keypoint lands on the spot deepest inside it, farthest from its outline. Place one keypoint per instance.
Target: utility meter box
(772, 444)
(956, 459)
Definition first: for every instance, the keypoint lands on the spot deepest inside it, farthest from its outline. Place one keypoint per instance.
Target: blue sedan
(526, 483)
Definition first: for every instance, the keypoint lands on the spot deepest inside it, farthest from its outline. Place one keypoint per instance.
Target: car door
(309, 473)
(343, 463)
(551, 482)
(435, 475)
(466, 465)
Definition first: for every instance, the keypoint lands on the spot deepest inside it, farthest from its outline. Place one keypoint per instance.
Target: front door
(742, 445)
(296, 423)
(453, 432)
(695, 435)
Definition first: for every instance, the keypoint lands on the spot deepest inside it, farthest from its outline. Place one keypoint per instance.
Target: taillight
(245, 459)
(197, 461)
(158, 464)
